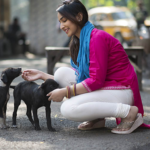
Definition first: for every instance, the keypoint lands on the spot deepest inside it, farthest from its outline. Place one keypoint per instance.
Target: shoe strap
(125, 125)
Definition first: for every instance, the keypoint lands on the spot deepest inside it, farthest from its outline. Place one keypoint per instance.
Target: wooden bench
(54, 55)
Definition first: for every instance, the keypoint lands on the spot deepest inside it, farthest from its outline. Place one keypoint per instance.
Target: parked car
(117, 21)
(147, 25)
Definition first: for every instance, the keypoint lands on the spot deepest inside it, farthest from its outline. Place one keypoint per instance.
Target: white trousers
(95, 104)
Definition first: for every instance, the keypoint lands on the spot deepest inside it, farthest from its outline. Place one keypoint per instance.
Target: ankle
(97, 120)
(132, 114)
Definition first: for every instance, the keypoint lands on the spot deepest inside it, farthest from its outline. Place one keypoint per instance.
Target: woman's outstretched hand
(57, 95)
(31, 75)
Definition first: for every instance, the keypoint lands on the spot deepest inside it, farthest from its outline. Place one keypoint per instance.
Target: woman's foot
(130, 123)
(89, 125)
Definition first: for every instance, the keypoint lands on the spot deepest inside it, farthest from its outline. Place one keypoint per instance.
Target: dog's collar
(2, 83)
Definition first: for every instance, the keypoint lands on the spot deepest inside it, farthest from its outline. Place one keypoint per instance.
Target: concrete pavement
(66, 137)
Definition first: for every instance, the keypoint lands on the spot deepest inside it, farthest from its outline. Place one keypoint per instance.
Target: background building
(38, 20)
(4, 13)
(43, 25)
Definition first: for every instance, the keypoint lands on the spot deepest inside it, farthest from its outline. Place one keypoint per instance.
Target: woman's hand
(31, 75)
(57, 95)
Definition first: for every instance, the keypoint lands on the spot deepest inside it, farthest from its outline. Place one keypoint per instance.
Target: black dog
(34, 97)
(7, 77)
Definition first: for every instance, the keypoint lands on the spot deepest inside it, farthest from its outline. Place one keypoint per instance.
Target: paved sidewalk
(67, 137)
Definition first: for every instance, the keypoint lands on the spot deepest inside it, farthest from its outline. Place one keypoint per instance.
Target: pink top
(110, 67)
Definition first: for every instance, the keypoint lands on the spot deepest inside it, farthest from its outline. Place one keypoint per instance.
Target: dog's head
(49, 85)
(9, 74)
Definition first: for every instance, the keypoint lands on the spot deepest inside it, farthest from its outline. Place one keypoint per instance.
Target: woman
(102, 82)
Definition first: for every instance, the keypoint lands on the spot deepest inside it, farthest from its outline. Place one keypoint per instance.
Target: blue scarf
(82, 70)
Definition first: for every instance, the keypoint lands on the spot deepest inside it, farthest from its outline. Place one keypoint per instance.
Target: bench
(54, 55)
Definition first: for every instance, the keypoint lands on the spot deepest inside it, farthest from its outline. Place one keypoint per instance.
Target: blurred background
(31, 25)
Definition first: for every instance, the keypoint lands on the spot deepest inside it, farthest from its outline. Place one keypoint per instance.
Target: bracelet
(74, 89)
(68, 92)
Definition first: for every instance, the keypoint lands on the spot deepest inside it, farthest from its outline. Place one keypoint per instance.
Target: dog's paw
(3, 123)
(37, 128)
(52, 129)
(14, 126)
(7, 126)
(4, 127)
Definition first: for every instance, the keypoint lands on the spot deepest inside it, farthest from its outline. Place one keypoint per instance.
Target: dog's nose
(20, 70)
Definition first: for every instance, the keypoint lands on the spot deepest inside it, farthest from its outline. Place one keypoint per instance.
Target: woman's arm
(99, 53)
(33, 74)
(80, 89)
(58, 94)
(46, 76)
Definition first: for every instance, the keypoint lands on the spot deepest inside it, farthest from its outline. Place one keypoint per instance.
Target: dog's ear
(4, 78)
(42, 85)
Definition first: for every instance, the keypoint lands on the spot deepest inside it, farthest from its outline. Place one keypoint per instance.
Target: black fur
(7, 77)
(34, 97)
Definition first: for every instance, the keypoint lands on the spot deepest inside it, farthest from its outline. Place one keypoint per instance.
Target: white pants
(92, 105)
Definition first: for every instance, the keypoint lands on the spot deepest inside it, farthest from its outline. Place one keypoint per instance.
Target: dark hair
(70, 9)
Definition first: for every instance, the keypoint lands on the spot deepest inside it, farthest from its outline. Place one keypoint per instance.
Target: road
(66, 137)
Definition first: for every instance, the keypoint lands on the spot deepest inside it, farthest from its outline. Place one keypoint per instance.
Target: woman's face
(68, 27)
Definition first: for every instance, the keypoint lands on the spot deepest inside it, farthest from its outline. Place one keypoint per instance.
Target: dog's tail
(13, 87)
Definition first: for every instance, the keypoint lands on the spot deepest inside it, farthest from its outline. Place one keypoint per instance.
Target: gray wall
(42, 30)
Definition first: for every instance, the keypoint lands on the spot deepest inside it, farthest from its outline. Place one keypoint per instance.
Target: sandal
(84, 125)
(129, 125)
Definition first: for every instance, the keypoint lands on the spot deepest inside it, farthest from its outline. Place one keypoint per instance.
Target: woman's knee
(68, 110)
(63, 75)
(60, 75)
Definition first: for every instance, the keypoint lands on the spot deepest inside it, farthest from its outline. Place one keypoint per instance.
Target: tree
(147, 4)
(131, 4)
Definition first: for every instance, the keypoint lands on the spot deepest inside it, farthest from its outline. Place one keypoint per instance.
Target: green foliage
(131, 4)
(147, 5)
(109, 3)
(102, 2)
(92, 3)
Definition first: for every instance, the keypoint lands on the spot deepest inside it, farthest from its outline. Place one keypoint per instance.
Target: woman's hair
(70, 9)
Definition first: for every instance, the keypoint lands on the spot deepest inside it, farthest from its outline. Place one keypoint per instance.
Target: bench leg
(50, 65)
(139, 75)
(52, 58)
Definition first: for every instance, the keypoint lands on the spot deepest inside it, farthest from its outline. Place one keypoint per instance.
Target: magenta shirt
(110, 67)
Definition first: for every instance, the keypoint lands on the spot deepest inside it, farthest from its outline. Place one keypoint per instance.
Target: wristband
(68, 92)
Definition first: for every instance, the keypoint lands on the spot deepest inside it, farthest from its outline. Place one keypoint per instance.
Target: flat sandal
(99, 124)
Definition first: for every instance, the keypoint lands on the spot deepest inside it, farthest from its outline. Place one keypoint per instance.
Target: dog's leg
(29, 115)
(2, 125)
(48, 118)
(16, 105)
(36, 120)
(4, 115)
